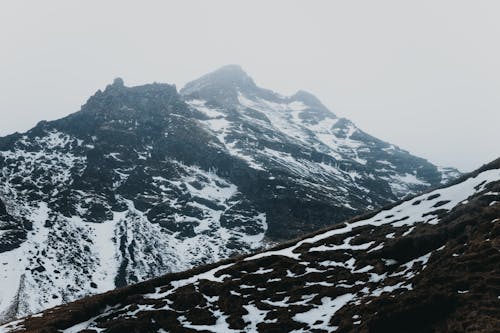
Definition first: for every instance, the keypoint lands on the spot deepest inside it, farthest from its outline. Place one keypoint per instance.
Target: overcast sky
(424, 75)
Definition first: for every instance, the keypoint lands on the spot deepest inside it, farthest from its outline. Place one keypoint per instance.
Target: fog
(424, 75)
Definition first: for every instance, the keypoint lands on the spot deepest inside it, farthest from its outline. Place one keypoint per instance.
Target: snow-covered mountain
(427, 264)
(145, 180)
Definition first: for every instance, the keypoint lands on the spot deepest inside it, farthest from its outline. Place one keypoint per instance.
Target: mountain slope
(301, 129)
(428, 264)
(144, 181)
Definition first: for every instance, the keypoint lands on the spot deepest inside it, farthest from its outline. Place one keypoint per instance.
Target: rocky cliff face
(143, 181)
(426, 264)
(12, 231)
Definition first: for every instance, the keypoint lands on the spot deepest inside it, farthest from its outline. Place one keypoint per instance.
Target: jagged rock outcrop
(12, 231)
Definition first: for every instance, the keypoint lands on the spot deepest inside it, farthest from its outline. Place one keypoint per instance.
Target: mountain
(301, 131)
(144, 180)
(427, 264)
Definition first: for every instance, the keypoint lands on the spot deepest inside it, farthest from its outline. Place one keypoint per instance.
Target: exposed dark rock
(369, 274)
(144, 180)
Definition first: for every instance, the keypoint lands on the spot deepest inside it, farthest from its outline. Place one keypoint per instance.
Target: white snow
(199, 105)
(319, 316)
(254, 317)
(208, 275)
(345, 246)
(14, 262)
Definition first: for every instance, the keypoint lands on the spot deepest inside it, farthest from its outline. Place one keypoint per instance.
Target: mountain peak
(118, 82)
(225, 85)
(308, 98)
(232, 72)
(305, 96)
(148, 98)
(227, 80)
(231, 68)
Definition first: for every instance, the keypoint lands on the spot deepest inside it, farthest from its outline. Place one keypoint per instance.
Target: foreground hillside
(144, 181)
(428, 264)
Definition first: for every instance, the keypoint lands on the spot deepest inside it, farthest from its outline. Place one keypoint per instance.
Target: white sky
(424, 75)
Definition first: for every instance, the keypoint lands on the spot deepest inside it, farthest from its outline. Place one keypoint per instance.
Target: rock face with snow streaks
(427, 264)
(143, 181)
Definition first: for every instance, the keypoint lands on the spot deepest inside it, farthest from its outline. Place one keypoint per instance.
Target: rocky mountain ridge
(144, 180)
